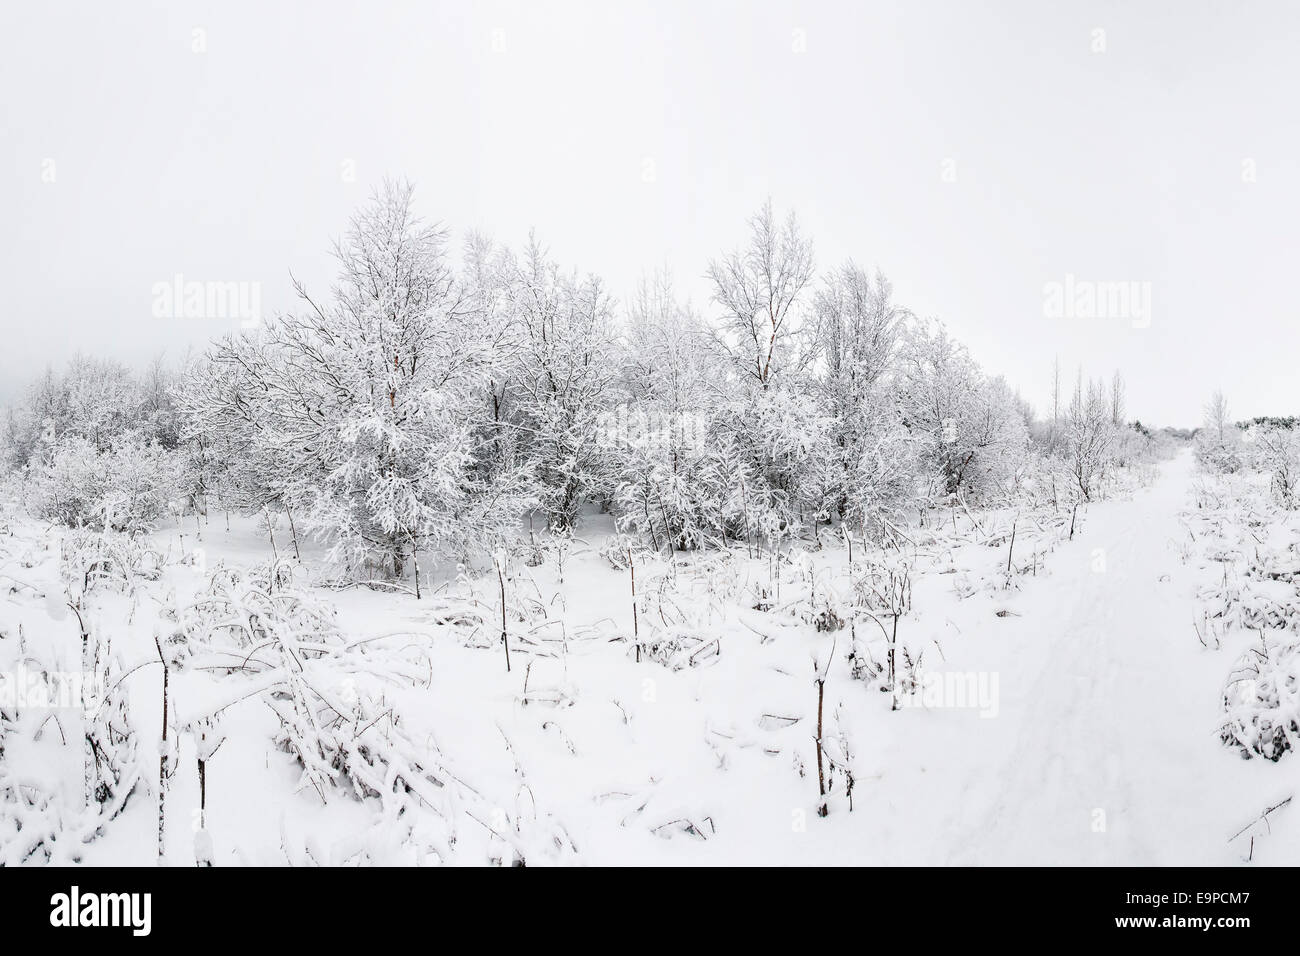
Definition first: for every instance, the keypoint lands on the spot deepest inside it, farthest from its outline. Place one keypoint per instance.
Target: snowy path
(1104, 749)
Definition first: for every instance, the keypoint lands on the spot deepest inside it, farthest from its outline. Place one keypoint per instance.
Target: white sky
(1123, 165)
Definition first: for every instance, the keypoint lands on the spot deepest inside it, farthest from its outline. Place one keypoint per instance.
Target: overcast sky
(974, 152)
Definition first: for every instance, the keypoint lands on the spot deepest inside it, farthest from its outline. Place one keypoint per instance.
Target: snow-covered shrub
(112, 559)
(676, 477)
(779, 444)
(51, 724)
(969, 429)
(880, 484)
(1089, 438)
(34, 820)
(1219, 446)
(881, 596)
(1276, 451)
(808, 596)
(1219, 455)
(141, 485)
(261, 636)
(71, 486)
(117, 767)
(685, 499)
(620, 549)
(713, 575)
(260, 628)
(1128, 446)
(1047, 483)
(124, 487)
(1262, 701)
(678, 647)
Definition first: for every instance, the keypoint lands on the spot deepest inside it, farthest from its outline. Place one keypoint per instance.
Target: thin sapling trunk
(505, 635)
(636, 629)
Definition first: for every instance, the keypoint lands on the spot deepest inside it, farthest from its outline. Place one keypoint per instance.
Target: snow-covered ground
(1064, 712)
(1104, 750)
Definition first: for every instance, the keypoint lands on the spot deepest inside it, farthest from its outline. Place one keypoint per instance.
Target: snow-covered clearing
(1065, 713)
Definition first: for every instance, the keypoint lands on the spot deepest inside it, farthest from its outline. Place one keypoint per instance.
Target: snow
(1100, 744)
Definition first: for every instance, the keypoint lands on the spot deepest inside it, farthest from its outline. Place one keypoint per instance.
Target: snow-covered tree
(970, 430)
(560, 377)
(872, 459)
(676, 475)
(362, 413)
(103, 400)
(759, 290)
(1089, 436)
(786, 438)
(1218, 442)
(98, 400)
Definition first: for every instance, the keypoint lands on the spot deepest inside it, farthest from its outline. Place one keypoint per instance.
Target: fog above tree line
(143, 146)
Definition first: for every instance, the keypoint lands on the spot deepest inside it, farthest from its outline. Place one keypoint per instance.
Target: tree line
(435, 397)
